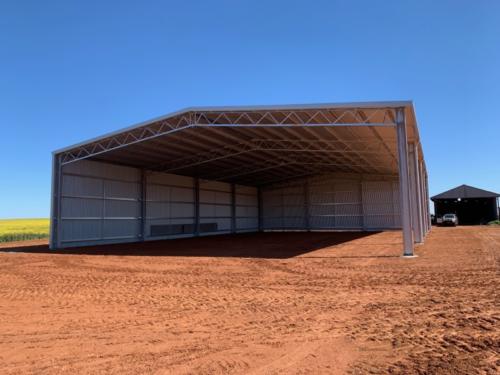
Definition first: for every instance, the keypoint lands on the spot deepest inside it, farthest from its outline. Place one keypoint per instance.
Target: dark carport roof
(465, 191)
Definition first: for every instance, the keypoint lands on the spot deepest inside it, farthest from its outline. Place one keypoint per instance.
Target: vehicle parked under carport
(449, 219)
(471, 205)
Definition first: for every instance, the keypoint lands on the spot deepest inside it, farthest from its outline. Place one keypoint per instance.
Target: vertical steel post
(196, 206)
(307, 221)
(334, 206)
(421, 207)
(427, 203)
(103, 212)
(143, 204)
(416, 199)
(404, 183)
(362, 191)
(395, 212)
(233, 208)
(55, 202)
(260, 209)
(422, 200)
(423, 197)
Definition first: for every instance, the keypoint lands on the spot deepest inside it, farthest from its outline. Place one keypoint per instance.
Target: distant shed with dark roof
(470, 204)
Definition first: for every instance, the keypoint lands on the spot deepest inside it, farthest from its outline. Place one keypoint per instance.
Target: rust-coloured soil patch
(257, 304)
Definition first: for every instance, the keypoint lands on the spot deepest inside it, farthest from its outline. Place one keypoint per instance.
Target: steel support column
(260, 209)
(416, 199)
(361, 194)
(143, 205)
(404, 182)
(55, 207)
(233, 208)
(196, 206)
(423, 197)
(307, 220)
(427, 199)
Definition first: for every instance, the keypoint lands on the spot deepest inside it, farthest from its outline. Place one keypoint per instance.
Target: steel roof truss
(234, 118)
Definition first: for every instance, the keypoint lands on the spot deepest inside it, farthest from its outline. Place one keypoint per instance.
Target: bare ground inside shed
(257, 304)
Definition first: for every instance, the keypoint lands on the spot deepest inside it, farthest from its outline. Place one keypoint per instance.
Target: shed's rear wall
(101, 203)
(336, 202)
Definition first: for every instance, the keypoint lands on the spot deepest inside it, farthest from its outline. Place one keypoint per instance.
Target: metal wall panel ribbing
(284, 208)
(332, 203)
(247, 209)
(379, 205)
(396, 204)
(169, 201)
(322, 208)
(100, 203)
(336, 204)
(215, 207)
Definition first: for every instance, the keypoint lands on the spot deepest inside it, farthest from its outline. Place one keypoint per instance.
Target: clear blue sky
(72, 70)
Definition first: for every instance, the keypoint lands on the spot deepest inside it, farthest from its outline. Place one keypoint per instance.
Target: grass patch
(495, 222)
(23, 229)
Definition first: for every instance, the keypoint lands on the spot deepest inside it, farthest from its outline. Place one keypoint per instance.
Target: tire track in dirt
(350, 307)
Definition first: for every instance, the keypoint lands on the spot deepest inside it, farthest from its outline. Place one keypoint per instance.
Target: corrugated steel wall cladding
(170, 201)
(215, 206)
(381, 204)
(246, 208)
(332, 203)
(283, 208)
(101, 203)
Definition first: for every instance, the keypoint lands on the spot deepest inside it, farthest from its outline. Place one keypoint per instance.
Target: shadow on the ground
(278, 245)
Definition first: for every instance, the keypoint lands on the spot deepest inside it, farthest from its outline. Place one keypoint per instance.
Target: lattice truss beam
(289, 146)
(304, 118)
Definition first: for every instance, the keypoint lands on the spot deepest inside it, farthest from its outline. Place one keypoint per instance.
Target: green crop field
(23, 229)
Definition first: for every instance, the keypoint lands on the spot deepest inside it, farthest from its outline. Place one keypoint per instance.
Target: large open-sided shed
(214, 170)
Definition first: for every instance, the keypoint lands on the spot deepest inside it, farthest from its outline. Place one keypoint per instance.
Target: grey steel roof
(257, 145)
(465, 191)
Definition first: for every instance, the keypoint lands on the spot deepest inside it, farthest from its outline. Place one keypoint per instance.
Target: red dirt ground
(270, 303)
